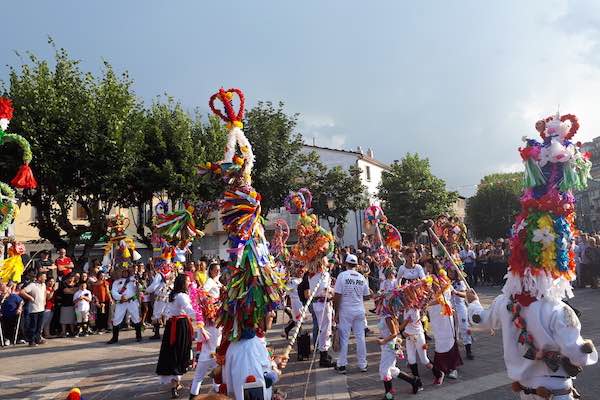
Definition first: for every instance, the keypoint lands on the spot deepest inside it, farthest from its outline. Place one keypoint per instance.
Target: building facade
(214, 241)
(588, 201)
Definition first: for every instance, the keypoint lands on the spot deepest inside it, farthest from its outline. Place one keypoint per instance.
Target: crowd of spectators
(59, 299)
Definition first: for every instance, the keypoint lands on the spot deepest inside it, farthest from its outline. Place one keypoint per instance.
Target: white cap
(351, 259)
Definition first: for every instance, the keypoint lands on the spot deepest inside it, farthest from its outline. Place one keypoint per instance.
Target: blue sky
(459, 82)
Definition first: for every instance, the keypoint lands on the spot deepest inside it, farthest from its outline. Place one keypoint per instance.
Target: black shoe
(470, 356)
(156, 335)
(416, 385)
(340, 370)
(138, 332)
(325, 360)
(174, 393)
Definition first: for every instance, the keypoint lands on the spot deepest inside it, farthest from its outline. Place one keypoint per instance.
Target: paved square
(126, 371)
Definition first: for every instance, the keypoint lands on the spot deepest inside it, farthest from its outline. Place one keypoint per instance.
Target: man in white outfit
(125, 294)
(323, 311)
(351, 290)
(161, 286)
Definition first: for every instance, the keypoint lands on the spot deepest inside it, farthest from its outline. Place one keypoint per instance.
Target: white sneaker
(364, 369)
(453, 374)
(6, 342)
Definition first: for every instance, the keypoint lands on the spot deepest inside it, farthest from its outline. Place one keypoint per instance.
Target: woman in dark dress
(174, 359)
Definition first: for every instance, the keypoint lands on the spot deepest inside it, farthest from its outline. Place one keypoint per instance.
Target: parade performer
(391, 350)
(320, 282)
(543, 347)
(208, 301)
(125, 294)
(11, 268)
(24, 178)
(254, 289)
(314, 241)
(119, 250)
(447, 358)
(174, 358)
(385, 238)
(351, 290)
(295, 273)
(161, 286)
(459, 304)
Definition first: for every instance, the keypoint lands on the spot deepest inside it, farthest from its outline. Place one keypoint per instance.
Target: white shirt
(180, 305)
(414, 327)
(467, 256)
(129, 292)
(353, 287)
(213, 288)
(459, 303)
(82, 305)
(554, 327)
(323, 287)
(416, 272)
(442, 327)
(388, 285)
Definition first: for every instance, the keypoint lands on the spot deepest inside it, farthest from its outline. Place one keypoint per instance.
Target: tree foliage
(490, 213)
(335, 191)
(277, 149)
(85, 133)
(410, 193)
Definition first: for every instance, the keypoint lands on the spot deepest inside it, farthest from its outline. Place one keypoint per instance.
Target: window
(80, 212)
(368, 171)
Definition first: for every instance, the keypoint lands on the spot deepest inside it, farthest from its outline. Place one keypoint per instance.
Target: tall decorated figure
(543, 347)
(11, 269)
(253, 287)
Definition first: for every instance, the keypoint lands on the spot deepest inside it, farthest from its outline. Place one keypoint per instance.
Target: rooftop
(368, 157)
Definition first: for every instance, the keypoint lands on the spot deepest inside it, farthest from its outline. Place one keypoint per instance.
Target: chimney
(359, 150)
(370, 152)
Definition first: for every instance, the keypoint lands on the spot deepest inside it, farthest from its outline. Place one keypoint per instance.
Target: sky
(458, 82)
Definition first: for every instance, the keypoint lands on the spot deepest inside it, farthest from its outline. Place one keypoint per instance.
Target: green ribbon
(2, 133)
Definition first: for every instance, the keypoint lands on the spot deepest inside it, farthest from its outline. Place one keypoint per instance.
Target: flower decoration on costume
(542, 259)
(314, 241)
(24, 178)
(254, 287)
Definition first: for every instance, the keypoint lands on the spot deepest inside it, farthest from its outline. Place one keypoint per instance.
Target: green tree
(174, 144)
(277, 149)
(339, 192)
(491, 212)
(85, 133)
(410, 193)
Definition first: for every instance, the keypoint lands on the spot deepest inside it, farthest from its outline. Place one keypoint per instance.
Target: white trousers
(462, 321)
(206, 361)
(324, 313)
(387, 364)
(415, 345)
(352, 320)
(131, 307)
(158, 310)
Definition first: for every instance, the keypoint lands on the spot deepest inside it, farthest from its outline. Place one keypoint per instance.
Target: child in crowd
(82, 299)
(459, 290)
(390, 281)
(389, 328)
(415, 346)
(447, 357)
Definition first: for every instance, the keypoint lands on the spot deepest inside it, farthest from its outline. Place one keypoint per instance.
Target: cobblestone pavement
(126, 371)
